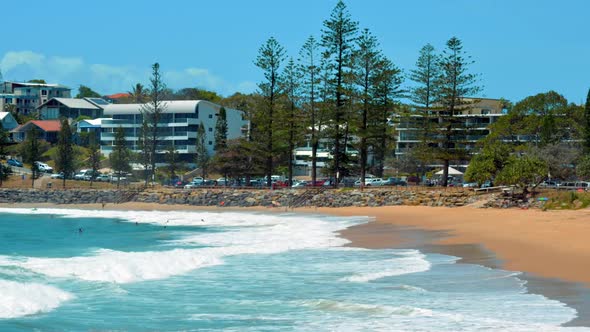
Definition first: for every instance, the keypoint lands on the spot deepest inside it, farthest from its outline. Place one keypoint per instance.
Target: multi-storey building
(476, 120)
(177, 127)
(302, 156)
(26, 97)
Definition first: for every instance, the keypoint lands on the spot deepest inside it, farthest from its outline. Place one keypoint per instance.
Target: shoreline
(549, 248)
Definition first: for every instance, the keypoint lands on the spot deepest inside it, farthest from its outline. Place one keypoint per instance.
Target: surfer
(80, 230)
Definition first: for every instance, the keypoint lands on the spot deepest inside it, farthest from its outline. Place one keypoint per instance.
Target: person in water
(80, 230)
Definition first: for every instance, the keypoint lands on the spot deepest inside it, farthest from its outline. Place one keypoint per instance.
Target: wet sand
(457, 233)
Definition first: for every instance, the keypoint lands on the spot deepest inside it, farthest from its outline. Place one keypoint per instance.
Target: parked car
(487, 184)
(300, 184)
(318, 183)
(549, 184)
(59, 175)
(574, 185)
(190, 185)
(14, 162)
(222, 182)
(347, 181)
(394, 182)
(103, 178)
(199, 182)
(370, 182)
(81, 174)
(470, 185)
(43, 167)
(91, 175)
(196, 182)
(115, 178)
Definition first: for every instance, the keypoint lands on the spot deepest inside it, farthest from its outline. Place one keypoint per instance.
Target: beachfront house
(48, 130)
(71, 108)
(177, 128)
(8, 121)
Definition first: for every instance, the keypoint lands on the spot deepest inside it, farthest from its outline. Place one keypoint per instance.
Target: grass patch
(567, 200)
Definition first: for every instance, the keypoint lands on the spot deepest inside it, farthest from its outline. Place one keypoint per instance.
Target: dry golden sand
(552, 244)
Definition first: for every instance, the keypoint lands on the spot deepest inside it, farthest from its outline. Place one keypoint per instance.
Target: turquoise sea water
(203, 271)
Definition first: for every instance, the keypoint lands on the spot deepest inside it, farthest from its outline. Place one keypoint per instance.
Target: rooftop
(73, 103)
(45, 125)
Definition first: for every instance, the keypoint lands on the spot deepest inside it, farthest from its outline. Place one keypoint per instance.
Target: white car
(369, 182)
(81, 174)
(43, 167)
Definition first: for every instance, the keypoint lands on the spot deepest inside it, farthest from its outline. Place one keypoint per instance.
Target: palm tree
(138, 93)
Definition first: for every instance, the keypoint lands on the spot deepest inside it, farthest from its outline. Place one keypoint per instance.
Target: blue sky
(520, 47)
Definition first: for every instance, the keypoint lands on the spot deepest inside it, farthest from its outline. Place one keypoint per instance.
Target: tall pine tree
(93, 157)
(3, 142)
(310, 71)
(291, 81)
(367, 62)
(201, 154)
(33, 152)
(120, 156)
(386, 89)
(65, 151)
(419, 123)
(152, 114)
(338, 39)
(270, 57)
(221, 130)
(455, 83)
(587, 124)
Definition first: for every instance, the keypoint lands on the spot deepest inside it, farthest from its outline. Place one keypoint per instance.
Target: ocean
(79, 270)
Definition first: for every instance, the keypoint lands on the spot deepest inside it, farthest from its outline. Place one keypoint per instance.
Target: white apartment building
(26, 97)
(178, 126)
(477, 119)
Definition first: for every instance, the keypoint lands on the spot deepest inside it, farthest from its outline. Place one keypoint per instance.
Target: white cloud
(106, 78)
(66, 65)
(23, 58)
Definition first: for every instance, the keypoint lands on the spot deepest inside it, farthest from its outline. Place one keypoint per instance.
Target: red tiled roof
(119, 95)
(47, 125)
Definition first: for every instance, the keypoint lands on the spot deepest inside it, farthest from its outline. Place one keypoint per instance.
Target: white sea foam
(380, 317)
(120, 267)
(246, 234)
(22, 299)
(375, 309)
(406, 264)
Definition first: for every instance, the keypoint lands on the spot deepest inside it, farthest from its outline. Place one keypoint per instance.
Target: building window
(210, 142)
(44, 92)
(210, 129)
(210, 116)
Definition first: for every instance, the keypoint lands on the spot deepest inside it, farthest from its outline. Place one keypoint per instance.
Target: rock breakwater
(246, 197)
